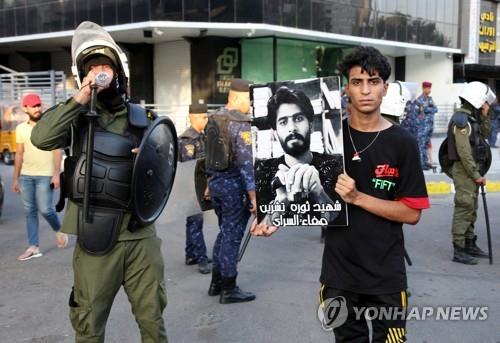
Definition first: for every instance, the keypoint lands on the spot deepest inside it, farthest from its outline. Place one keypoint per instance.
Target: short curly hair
(285, 95)
(369, 59)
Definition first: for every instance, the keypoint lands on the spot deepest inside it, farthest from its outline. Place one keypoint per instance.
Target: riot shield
(444, 161)
(184, 192)
(200, 181)
(154, 170)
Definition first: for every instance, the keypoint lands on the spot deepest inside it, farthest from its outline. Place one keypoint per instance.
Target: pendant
(356, 157)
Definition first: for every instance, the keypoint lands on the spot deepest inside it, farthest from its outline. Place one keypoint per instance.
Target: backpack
(217, 143)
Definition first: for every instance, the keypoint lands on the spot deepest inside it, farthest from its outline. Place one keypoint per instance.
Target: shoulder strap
(232, 115)
(238, 116)
(189, 133)
(460, 119)
(137, 116)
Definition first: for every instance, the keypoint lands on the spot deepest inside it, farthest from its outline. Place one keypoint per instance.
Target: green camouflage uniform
(135, 262)
(464, 172)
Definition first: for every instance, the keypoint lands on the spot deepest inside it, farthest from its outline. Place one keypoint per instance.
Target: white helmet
(90, 39)
(394, 102)
(477, 93)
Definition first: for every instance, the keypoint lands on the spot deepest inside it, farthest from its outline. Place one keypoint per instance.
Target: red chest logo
(384, 170)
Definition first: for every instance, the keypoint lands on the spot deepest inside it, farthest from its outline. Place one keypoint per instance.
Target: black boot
(215, 284)
(461, 256)
(472, 249)
(232, 293)
(190, 261)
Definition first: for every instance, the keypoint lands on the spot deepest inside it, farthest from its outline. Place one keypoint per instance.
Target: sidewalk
(439, 183)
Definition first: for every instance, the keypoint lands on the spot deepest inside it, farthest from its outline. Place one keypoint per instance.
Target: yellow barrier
(440, 187)
(443, 187)
(492, 186)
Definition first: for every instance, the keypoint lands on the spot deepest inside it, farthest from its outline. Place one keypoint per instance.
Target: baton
(91, 116)
(407, 258)
(247, 239)
(487, 220)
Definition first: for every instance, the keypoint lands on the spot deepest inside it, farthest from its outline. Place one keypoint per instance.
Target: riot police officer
(394, 103)
(468, 153)
(228, 162)
(113, 249)
(191, 148)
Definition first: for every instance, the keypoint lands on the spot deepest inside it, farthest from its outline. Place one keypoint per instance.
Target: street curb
(443, 187)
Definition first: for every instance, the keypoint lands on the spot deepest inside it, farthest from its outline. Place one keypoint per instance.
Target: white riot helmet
(394, 102)
(91, 39)
(477, 93)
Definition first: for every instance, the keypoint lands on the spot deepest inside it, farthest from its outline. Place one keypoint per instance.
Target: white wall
(172, 80)
(436, 68)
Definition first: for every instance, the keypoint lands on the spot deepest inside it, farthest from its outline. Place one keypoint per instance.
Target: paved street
(282, 270)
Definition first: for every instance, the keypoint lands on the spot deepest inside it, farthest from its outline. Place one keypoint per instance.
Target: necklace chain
(356, 152)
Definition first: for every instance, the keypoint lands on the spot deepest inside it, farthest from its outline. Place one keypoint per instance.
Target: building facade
(480, 58)
(184, 51)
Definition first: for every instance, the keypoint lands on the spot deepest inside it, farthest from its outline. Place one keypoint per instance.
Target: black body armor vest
(480, 149)
(476, 140)
(110, 189)
(111, 171)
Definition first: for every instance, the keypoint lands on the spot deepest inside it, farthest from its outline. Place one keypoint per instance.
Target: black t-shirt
(368, 256)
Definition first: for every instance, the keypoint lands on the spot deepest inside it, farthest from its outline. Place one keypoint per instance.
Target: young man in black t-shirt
(363, 265)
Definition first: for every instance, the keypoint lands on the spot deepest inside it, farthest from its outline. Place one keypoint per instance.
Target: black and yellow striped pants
(387, 313)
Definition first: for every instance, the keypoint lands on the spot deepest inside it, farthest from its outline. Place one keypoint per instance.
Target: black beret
(240, 85)
(198, 108)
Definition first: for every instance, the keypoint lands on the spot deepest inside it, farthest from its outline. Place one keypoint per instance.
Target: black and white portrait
(298, 153)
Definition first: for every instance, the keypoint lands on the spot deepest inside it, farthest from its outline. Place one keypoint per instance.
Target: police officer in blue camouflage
(495, 123)
(409, 122)
(231, 184)
(426, 109)
(191, 148)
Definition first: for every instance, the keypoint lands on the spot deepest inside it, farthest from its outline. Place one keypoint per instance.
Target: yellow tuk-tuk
(11, 116)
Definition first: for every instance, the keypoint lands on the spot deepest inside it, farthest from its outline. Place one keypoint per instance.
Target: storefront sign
(487, 33)
(215, 61)
(226, 65)
(487, 48)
